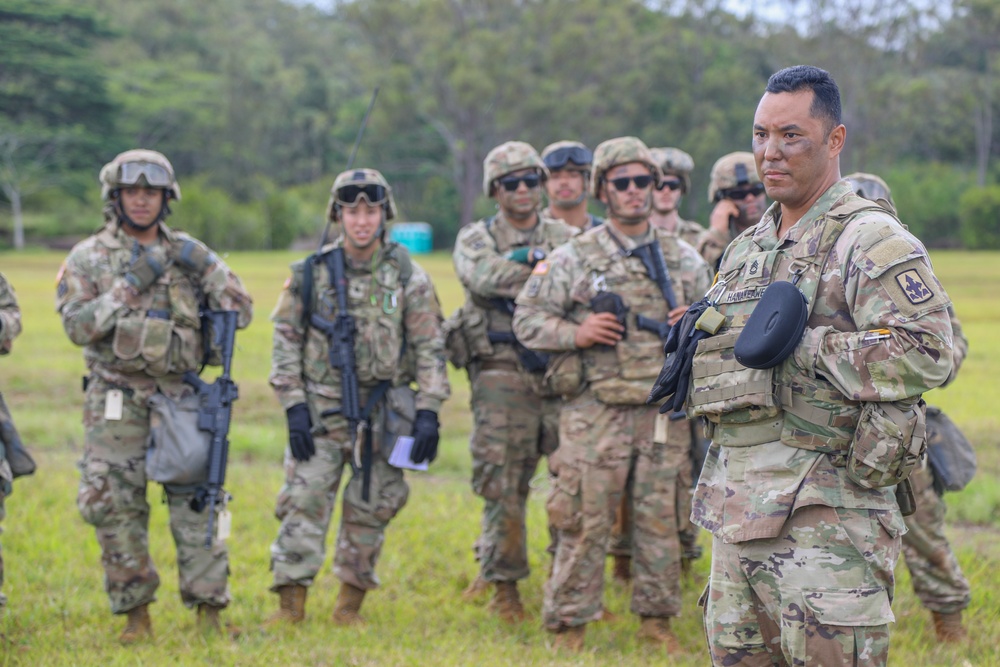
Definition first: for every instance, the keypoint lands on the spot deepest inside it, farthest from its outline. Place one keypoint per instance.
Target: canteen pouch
(950, 454)
(177, 452)
(774, 328)
(400, 413)
(887, 444)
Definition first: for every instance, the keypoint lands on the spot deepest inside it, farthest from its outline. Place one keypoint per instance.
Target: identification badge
(225, 525)
(660, 427)
(114, 403)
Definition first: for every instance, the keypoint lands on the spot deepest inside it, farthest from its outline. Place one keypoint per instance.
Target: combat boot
(349, 605)
(292, 606)
(138, 626)
(949, 628)
(570, 640)
(477, 590)
(506, 603)
(209, 622)
(623, 569)
(656, 630)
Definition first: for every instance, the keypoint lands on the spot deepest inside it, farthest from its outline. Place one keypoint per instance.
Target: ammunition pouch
(177, 451)
(466, 336)
(887, 445)
(400, 412)
(564, 376)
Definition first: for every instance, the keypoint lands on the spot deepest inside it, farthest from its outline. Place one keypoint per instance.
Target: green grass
(58, 613)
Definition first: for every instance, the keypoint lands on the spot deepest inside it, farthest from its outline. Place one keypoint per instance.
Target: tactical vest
(622, 375)
(160, 337)
(376, 301)
(747, 406)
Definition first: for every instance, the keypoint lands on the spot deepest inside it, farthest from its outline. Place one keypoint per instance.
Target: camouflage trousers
(112, 498)
(305, 507)
(937, 578)
(817, 594)
(607, 453)
(513, 428)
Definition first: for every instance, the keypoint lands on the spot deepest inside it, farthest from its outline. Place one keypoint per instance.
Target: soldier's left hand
(425, 437)
(191, 257)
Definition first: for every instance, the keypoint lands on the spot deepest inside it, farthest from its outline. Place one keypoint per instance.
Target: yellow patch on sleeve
(288, 283)
(62, 270)
(541, 268)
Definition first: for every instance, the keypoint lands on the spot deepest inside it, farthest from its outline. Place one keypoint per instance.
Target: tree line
(257, 102)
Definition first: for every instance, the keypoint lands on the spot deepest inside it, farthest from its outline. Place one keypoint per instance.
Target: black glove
(677, 350)
(425, 437)
(192, 257)
(147, 268)
(300, 439)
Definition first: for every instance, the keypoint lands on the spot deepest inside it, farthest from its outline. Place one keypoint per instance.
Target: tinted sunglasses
(673, 185)
(348, 195)
(641, 182)
(512, 183)
(741, 193)
(557, 159)
(155, 176)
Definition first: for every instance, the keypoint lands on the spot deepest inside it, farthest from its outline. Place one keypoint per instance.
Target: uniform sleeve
(288, 343)
(481, 268)
(10, 316)
(903, 343)
(696, 274)
(422, 320)
(88, 315)
(224, 291)
(712, 245)
(961, 347)
(540, 319)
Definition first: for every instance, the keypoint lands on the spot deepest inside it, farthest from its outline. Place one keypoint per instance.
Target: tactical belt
(747, 435)
(491, 365)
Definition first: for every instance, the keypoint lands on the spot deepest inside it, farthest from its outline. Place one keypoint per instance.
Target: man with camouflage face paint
(130, 296)
(397, 340)
(738, 197)
(585, 304)
(935, 573)
(515, 416)
(10, 327)
(569, 163)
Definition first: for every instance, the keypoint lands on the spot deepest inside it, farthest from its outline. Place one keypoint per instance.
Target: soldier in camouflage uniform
(583, 304)
(515, 416)
(935, 573)
(398, 340)
(130, 295)
(676, 166)
(738, 200)
(805, 535)
(10, 327)
(569, 163)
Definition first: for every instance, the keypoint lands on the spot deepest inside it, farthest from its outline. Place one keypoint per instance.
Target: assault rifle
(533, 362)
(651, 256)
(215, 406)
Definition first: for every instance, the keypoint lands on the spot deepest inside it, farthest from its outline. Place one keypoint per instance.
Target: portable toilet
(417, 237)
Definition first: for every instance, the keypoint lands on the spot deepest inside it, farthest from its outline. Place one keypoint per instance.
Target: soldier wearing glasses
(569, 176)
(676, 166)
(398, 339)
(515, 417)
(738, 195)
(585, 303)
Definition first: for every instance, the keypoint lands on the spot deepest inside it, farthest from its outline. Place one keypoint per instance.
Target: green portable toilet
(417, 237)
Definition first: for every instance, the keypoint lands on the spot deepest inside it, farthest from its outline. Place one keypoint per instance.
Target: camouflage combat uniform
(396, 309)
(612, 444)
(802, 556)
(592, 221)
(140, 344)
(515, 418)
(10, 327)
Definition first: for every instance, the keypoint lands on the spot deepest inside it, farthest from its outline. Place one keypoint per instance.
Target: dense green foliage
(252, 97)
(980, 211)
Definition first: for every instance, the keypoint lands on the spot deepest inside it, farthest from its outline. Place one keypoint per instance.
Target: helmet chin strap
(570, 203)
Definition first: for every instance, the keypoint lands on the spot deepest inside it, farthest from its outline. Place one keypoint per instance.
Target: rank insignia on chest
(914, 286)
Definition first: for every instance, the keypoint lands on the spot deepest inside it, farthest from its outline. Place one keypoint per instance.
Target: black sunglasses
(641, 182)
(348, 195)
(673, 185)
(741, 193)
(512, 183)
(557, 159)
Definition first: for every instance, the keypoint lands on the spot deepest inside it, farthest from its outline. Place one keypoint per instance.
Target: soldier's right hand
(300, 439)
(725, 210)
(598, 328)
(147, 267)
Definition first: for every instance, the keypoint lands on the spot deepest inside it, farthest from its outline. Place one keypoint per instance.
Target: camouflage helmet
(732, 171)
(675, 162)
(621, 150)
(869, 186)
(377, 191)
(571, 155)
(136, 167)
(507, 158)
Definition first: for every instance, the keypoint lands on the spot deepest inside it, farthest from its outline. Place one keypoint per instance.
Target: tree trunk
(15, 207)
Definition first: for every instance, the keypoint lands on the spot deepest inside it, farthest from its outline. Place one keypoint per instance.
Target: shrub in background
(979, 209)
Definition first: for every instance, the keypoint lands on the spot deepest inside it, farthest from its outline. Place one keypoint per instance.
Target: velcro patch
(913, 289)
(541, 268)
(533, 286)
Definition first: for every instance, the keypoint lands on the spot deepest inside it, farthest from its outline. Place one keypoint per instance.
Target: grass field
(58, 613)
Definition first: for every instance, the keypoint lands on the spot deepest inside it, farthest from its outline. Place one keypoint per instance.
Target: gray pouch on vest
(949, 452)
(774, 327)
(178, 449)
(17, 456)
(400, 413)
